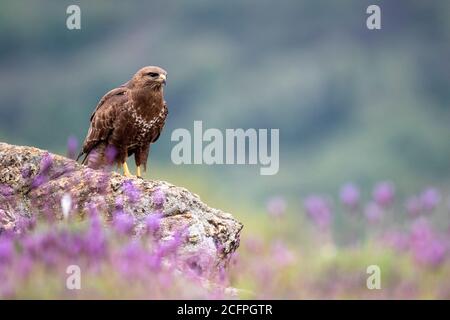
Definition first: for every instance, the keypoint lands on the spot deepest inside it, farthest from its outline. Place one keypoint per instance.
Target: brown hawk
(126, 121)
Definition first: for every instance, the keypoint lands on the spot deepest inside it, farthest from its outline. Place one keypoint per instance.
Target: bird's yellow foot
(138, 172)
(126, 172)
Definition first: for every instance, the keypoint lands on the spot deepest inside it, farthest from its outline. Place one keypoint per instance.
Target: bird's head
(151, 77)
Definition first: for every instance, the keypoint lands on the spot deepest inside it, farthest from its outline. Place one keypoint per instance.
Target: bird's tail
(94, 158)
(85, 157)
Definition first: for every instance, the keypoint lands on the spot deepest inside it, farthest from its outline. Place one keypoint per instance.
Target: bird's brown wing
(102, 119)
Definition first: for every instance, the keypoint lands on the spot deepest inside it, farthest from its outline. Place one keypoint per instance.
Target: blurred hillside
(351, 104)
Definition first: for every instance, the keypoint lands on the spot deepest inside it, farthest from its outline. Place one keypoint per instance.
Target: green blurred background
(351, 104)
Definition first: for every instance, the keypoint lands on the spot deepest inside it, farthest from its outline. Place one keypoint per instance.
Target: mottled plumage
(127, 120)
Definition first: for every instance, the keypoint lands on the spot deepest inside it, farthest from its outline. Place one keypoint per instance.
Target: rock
(33, 182)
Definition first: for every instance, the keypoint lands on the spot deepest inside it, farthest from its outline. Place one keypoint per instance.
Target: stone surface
(33, 182)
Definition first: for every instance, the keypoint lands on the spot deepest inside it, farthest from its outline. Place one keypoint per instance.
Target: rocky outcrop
(33, 182)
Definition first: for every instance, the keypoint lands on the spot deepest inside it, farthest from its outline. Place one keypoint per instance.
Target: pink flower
(153, 222)
(123, 223)
(72, 147)
(318, 209)
(158, 197)
(131, 191)
(276, 206)
(350, 195)
(429, 199)
(281, 254)
(428, 248)
(6, 249)
(111, 154)
(384, 193)
(46, 163)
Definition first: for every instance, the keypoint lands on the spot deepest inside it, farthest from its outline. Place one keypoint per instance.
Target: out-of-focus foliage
(290, 255)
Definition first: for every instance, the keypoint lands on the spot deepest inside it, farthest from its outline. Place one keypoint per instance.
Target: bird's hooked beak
(162, 78)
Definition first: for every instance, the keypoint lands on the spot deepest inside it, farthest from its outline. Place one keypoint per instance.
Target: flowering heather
(153, 222)
(319, 210)
(6, 250)
(123, 223)
(349, 195)
(111, 153)
(429, 199)
(158, 197)
(131, 192)
(428, 247)
(275, 260)
(384, 194)
(6, 190)
(276, 206)
(140, 268)
(72, 147)
(46, 164)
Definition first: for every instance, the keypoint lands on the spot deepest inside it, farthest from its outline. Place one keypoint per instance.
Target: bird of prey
(126, 121)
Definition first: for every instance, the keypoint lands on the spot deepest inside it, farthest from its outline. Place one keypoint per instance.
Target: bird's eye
(152, 74)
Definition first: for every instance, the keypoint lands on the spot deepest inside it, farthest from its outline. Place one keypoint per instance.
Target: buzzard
(126, 121)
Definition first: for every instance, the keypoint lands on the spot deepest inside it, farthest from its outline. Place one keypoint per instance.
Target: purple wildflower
(95, 242)
(281, 254)
(74, 245)
(6, 249)
(154, 260)
(318, 209)
(349, 195)
(421, 231)
(130, 258)
(6, 190)
(276, 206)
(384, 193)
(25, 224)
(38, 181)
(158, 197)
(111, 154)
(103, 182)
(429, 199)
(119, 203)
(427, 247)
(72, 147)
(123, 223)
(172, 245)
(30, 245)
(430, 253)
(153, 222)
(46, 163)
(25, 265)
(131, 191)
